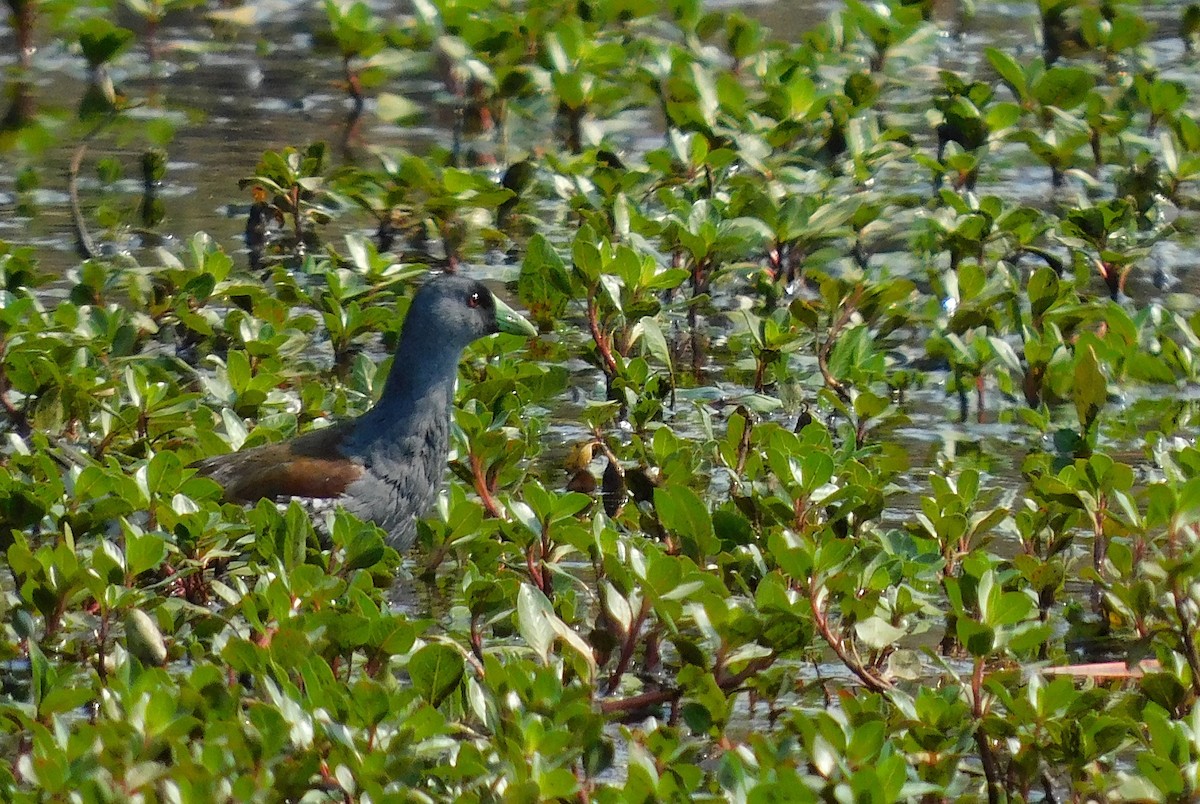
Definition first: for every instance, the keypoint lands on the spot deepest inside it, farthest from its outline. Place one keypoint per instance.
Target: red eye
(473, 300)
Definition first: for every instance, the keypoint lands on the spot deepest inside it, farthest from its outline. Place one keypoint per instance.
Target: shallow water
(234, 93)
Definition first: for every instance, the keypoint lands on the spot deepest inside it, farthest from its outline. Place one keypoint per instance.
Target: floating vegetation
(854, 459)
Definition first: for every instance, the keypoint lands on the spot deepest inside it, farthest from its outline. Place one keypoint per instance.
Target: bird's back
(311, 465)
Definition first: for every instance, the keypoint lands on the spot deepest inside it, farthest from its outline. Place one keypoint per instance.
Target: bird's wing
(311, 465)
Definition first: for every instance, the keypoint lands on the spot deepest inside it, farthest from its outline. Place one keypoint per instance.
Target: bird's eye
(473, 300)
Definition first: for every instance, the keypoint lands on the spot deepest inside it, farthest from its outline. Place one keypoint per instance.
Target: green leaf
(1009, 70)
(1063, 87)
(539, 626)
(681, 511)
(976, 637)
(436, 671)
(1090, 390)
(365, 550)
(877, 633)
(534, 614)
(143, 551)
(655, 342)
(143, 639)
(1010, 609)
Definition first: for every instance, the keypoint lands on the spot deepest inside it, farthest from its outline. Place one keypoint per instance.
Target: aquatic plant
(843, 426)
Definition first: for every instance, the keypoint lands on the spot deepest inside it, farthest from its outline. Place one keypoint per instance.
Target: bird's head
(456, 310)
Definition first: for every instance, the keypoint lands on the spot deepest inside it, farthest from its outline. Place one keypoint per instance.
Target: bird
(387, 465)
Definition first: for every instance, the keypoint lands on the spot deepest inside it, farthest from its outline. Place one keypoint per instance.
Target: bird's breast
(402, 477)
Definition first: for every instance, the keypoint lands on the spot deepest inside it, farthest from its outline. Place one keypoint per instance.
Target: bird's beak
(510, 321)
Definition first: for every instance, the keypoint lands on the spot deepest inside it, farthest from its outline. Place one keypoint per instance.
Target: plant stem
(603, 344)
(479, 479)
(986, 757)
(873, 682)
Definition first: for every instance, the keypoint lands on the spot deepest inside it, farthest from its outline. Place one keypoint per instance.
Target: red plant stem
(152, 39)
(546, 586)
(584, 795)
(799, 512)
(628, 646)
(22, 21)
(870, 680)
(860, 432)
(476, 639)
(743, 451)
(639, 701)
(353, 85)
(986, 757)
(601, 339)
(55, 618)
(700, 272)
(672, 695)
(737, 679)
(535, 571)
(849, 305)
(481, 487)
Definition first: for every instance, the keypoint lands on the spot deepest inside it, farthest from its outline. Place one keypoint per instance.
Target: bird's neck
(421, 380)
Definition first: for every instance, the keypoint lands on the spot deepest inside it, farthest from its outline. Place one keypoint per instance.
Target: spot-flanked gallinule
(385, 466)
